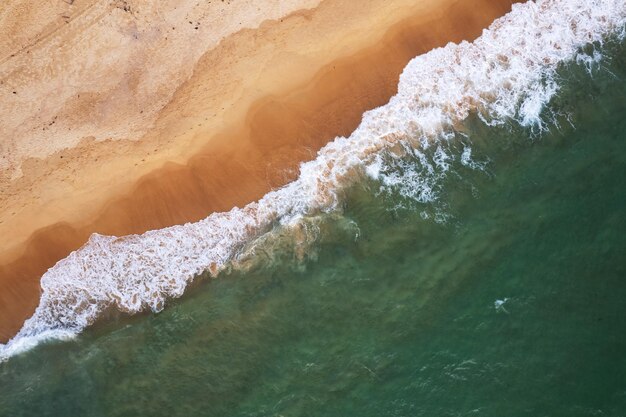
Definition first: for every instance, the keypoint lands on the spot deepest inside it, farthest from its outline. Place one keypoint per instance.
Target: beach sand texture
(124, 116)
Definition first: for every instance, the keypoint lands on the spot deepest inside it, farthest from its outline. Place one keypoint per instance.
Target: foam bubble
(508, 74)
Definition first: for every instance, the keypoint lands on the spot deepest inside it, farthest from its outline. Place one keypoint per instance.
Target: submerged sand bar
(121, 117)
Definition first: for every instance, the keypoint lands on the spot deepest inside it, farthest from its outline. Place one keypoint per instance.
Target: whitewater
(507, 75)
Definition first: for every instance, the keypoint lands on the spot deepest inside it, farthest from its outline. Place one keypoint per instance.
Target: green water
(399, 320)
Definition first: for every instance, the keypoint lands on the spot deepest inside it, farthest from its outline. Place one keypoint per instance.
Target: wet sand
(254, 106)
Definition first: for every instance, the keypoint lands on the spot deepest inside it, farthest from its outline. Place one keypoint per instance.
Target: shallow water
(504, 296)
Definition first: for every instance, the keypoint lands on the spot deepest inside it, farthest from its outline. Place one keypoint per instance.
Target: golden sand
(136, 115)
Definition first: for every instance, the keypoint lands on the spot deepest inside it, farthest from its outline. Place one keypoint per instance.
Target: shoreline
(239, 155)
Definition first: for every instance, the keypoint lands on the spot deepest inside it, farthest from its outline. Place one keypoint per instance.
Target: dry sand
(125, 116)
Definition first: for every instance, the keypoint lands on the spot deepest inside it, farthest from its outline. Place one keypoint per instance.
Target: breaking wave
(508, 75)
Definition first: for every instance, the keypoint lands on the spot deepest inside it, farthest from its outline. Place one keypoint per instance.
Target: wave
(507, 75)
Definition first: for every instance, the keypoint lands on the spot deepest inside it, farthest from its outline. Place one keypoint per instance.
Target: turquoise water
(505, 297)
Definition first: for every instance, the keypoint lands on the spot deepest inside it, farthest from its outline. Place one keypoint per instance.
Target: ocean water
(465, 256)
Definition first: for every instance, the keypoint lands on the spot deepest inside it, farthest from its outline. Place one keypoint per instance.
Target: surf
(507, 76)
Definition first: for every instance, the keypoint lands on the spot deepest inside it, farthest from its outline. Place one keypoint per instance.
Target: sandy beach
(122, 117)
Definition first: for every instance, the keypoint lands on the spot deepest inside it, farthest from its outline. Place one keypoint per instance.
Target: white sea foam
(508, 74)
